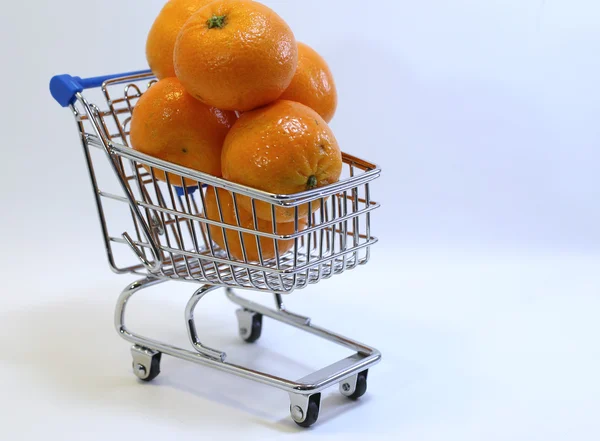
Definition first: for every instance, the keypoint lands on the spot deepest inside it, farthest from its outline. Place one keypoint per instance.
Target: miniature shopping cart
(158, 230)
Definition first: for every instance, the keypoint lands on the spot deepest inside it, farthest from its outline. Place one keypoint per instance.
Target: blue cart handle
(64, 87)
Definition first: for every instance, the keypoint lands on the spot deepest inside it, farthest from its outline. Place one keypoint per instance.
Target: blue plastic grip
(181, 192)
(64, 87)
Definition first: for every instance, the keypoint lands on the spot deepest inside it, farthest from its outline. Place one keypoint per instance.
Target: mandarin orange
(283, 148)
(236, 55)
(170, 124)
(313, 84)
(164, 32)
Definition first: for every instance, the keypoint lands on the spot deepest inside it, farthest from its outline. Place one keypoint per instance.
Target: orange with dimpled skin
(283, 148)
(313, 83)
(170, 124)
(236, 55)
(163, 34)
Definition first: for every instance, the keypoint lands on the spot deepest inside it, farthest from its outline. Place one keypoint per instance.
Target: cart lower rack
(159, 229)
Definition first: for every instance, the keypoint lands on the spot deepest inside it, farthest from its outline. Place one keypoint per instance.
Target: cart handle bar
(64, 87)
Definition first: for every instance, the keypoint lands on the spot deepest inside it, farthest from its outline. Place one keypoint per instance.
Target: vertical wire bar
(190, 223)
(340, 227)
(236, 213)
(202, 233)
(333, 233)
(368, 221)
(171, 222)
(211, 244)
(224, 232)
(186, 221)
(241, 236)
(315, 238)
(315, 233)
(178, 225)
(137, 178)
(154, 213)
(356, 218)
(198, 224)
(344, 227)
(136, 227)
(174, 229)
(201, 213)
(327, 236)
(310, 222)
(258, 242)
(140, 185)
(161, 203)
(296, 249)
(276, 244)
(321, 238)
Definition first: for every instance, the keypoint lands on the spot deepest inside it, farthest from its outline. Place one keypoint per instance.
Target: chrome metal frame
(316, 382)
(172, 237)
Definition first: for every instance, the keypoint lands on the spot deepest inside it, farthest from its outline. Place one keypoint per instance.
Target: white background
(483, 293)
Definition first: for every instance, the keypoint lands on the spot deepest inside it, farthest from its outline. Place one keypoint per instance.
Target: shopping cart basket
(165, 226)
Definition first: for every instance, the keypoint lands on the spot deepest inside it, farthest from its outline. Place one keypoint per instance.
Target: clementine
(283, 148)
(236, 55)
(170, 124)
(267, 245)
(313, 83)
(164, 32)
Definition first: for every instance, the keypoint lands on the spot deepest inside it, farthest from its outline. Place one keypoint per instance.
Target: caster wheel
(146, 363)
(312, 412)
(355, 387)
(250, 325)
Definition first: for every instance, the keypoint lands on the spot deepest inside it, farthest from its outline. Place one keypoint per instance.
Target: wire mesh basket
(172, 235)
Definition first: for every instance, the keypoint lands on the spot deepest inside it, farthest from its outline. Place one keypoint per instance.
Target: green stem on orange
(216, 21)
(311, 183)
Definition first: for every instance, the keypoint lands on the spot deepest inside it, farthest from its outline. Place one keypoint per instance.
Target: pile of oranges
(239, 98)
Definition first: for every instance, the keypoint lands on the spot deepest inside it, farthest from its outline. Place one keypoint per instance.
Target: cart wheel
(146, 363)
(250, 325)
(305, 410)
(356, 386)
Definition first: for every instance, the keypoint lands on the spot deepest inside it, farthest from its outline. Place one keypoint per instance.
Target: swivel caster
(250, 325)
(146, 363)
(355, 386)
(305, 409)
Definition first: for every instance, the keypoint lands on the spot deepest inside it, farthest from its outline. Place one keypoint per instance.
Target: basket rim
(371, 172)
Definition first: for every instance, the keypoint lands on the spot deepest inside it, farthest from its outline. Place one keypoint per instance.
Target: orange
(164, 32)
(170, 124)
(284, 148)
(236, 55)
(313, 83)
(267, 245)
